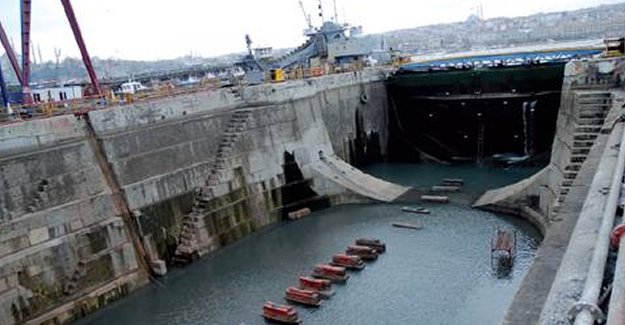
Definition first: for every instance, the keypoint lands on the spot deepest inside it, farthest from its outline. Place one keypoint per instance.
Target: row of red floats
(318, 286)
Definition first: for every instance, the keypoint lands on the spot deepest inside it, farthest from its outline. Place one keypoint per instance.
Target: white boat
(131, 87)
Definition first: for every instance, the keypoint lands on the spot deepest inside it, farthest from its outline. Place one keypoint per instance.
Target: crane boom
(11, 54)
(306, 16)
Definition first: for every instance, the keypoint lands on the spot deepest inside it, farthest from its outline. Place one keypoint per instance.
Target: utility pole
(39, 52)
(57, 54)
(32, 50)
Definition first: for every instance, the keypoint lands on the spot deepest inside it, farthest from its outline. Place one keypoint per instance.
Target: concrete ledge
(39, 133)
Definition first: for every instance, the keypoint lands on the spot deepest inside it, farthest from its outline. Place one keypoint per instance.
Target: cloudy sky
(160, 29)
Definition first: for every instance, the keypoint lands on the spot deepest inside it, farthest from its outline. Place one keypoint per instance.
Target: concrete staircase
(194, 231)
(74, 280)
(592, 109)
(39, 196)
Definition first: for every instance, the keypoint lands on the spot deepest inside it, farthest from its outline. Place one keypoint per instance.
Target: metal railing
(586, 308)
(39, 110)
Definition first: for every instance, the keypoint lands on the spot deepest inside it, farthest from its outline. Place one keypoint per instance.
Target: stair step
(195, 211)
(590, 121)
(573, 167)
(199, 204)
(583, 144)
(594, 102)
(187, 242)
(570, 175)
(180, 260)
(578, 158)
(186, 234)
(202, 199)
(182, 250)
(591, 115)
(564, 192)
(567, 183)
(581, 151)
(588, 129)
(585, 136)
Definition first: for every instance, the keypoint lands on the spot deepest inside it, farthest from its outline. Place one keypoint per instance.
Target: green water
(438, 275)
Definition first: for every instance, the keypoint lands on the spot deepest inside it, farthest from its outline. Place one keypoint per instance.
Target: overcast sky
(160, 29)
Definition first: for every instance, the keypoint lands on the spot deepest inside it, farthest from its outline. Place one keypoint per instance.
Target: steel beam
(86, 59)
(26, 10)
(11, 54)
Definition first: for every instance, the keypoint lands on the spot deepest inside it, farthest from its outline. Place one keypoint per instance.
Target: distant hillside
(590, 23)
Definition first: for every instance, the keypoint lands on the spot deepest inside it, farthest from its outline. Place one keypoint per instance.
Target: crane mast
(306, 16)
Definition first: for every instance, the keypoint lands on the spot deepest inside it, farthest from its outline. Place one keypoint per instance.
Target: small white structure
(131, 87)
(56, 93)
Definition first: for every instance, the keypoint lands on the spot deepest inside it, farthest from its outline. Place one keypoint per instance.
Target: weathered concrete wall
(161, 152)
(60, 237)
(566, 196)
(65, 250)
(540, 199)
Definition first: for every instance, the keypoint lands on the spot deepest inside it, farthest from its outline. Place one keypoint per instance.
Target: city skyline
(152, 30)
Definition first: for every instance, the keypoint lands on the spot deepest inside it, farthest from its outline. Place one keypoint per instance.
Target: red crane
(86, 59)
(23, 74)
(25, 10)
(11, 54)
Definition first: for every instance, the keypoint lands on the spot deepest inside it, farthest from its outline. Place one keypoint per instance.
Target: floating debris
(352, 262)
(281, 313)
(435, 198)
(298, 214)
(420, 210)
(322, 286)
(329, 272)
(453, 181)
(376, 244)
(365, 252)
(445, 188)
(303, 296)
(502, 252)
(406, 225)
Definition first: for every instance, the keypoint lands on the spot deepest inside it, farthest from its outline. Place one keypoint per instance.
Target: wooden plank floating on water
(420, 210)
(453, 181)
(435, 198)
(445, 188)
(293, 215)
(406, 225)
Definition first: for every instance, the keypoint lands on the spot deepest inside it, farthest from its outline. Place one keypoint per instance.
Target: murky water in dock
(438, 275)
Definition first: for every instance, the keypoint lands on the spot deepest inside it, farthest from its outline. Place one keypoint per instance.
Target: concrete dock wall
(567, 197)
(65, 250)
(60, 236)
